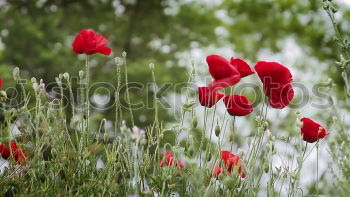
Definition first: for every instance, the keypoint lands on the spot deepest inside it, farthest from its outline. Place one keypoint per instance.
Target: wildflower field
(142, 98)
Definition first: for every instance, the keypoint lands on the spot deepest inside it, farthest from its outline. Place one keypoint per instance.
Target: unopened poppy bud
(81, 74)
(266, 167)
(334, 10)
(118, 61)
(16, 73)
(66, 76)
(208, 157)
(151, 66)
(194, 122)
(3, 95)
(118, 166)
(217, 130)
(265, 125)
(53, 152)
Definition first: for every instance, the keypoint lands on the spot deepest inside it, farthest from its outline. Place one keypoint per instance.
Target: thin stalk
(127, 91)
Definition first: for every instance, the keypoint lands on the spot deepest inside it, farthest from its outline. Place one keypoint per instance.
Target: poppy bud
(124, 54)
(217, 130)
(265, 125)
(208, 157)
(231, 137)
(81, 74)
(66, 76)
(266, 167)
(190, 152)
(194, 122)
(151, 66)
(118, 166)
(3, 96)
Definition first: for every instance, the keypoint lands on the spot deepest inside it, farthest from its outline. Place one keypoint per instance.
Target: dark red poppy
(208, 97)
(223, 72)
(4, 151)
(20, 155)
(0, 82)
(231, 161)
(277, 81)
(89, 42)
(238, 105)
(242, 67)
(170, 161)
(312, 131)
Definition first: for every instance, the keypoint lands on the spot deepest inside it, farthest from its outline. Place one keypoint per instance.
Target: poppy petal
(207, 97)
(238, 105)
(242, 67)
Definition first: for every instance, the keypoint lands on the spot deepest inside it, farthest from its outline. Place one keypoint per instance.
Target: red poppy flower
(217, 170)
(4, 151)
(0, 82)
(231, 161)
(20, 155)
(208, 97)
(281, 97)
(223, 72)
(242, 67)
(238, 105)
(312, 131)
(89, 42)
(170, 161)
(277, 81)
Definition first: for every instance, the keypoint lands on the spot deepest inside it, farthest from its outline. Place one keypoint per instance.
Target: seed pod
(217, 130)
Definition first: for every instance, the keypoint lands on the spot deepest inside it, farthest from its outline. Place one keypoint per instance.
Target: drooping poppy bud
(223, 72)
(89, 42)
(208, 97)
(242, 67)
(312, 131)
(238, 105)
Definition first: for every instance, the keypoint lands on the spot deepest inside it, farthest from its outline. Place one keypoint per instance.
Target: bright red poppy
(242, 67)
(238, 105)
(4, 151)
(170, 161)
(223, 72)
(231, 161)
(208, 97)
(89, 42)
(20, 155)
(277, 80)
(312, 131)
(0, 82)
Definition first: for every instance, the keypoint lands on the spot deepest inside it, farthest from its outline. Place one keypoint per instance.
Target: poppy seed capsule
(217, 130)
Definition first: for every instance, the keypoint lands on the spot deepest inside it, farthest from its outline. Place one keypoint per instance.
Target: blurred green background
(36, 36)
